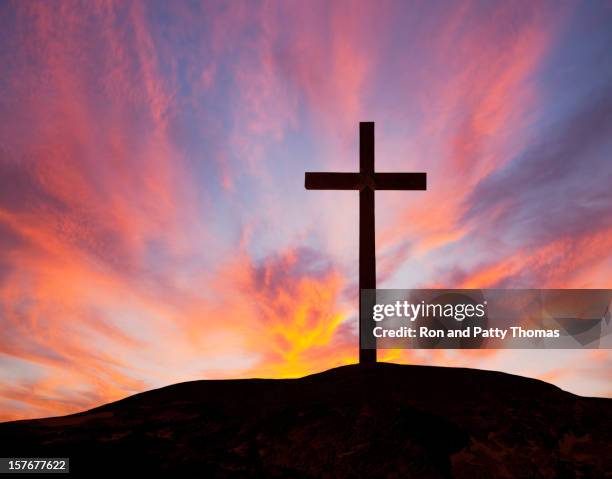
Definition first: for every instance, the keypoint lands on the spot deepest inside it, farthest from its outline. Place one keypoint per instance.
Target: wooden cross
(366, 181)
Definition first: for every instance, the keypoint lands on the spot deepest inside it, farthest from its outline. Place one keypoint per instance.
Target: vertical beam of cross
(367, 236)
(366, 181)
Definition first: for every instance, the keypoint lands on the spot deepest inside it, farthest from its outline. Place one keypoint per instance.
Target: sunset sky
(154, 226)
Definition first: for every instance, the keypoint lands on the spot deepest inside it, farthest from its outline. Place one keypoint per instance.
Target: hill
(383, 420)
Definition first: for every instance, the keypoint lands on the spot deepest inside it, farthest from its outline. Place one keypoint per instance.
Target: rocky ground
(379, 421)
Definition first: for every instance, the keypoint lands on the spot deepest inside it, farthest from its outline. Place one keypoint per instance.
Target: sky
(154, 226)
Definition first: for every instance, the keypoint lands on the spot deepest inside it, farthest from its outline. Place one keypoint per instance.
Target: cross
(366, 181)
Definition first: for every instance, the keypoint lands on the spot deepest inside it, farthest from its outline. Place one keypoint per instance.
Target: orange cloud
(559, 264)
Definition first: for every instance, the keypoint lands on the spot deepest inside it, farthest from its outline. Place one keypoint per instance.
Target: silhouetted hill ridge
(384, 420)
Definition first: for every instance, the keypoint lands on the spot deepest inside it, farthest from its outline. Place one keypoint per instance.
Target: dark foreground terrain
(380, 421)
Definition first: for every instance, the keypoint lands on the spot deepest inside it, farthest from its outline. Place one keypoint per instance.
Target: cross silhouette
(366, 181)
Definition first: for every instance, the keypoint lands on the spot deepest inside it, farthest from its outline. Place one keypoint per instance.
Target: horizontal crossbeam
(332, 181)
(358, 181)
(400, 181)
